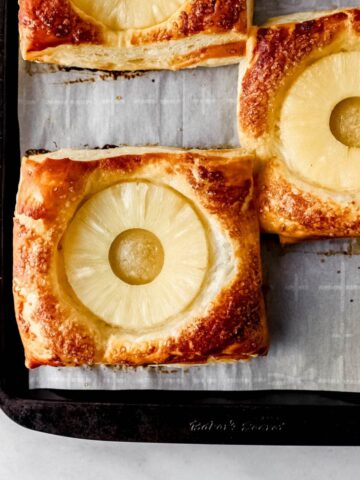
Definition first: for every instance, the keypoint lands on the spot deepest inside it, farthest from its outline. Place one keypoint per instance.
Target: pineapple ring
(308, 123)
(120, 208)
(128, 14)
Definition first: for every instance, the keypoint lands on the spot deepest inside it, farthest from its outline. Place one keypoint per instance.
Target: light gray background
(26, 455)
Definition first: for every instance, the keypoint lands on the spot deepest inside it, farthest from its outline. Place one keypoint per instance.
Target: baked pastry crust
(58, 330)
(298, 211)
(277, 55)
(200, 32)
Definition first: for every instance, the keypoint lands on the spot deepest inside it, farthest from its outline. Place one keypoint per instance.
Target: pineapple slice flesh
(319, 123)
(136, 254)
(129, 14)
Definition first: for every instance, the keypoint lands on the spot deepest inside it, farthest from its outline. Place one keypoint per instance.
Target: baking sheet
(312, 290)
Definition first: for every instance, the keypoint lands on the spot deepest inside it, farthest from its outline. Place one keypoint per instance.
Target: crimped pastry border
(57, 330)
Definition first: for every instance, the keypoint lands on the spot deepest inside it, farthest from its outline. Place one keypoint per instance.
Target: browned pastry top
(57, 329)
(304, 190)
(49, 28)
(279, 54)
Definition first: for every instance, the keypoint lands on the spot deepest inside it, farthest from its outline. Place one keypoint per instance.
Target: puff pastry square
(81, 295)
(134, 34)
(299, 110)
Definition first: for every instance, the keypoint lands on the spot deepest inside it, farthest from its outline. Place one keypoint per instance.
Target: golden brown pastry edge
(202, 33)
(54, 328)
(276, 56)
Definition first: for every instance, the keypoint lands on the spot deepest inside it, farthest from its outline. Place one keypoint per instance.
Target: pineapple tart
(134, 34)
(299, 111)
(138, 256)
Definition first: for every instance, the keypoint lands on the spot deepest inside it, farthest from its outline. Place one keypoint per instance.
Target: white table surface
(26, 455)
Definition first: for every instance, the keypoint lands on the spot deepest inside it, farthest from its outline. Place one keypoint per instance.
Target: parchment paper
(313, 290)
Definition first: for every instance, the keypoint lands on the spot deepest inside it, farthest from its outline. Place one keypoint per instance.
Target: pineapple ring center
(136, 256)
(345, 122)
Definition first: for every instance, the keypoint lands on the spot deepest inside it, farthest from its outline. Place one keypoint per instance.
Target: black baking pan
(273, 418)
